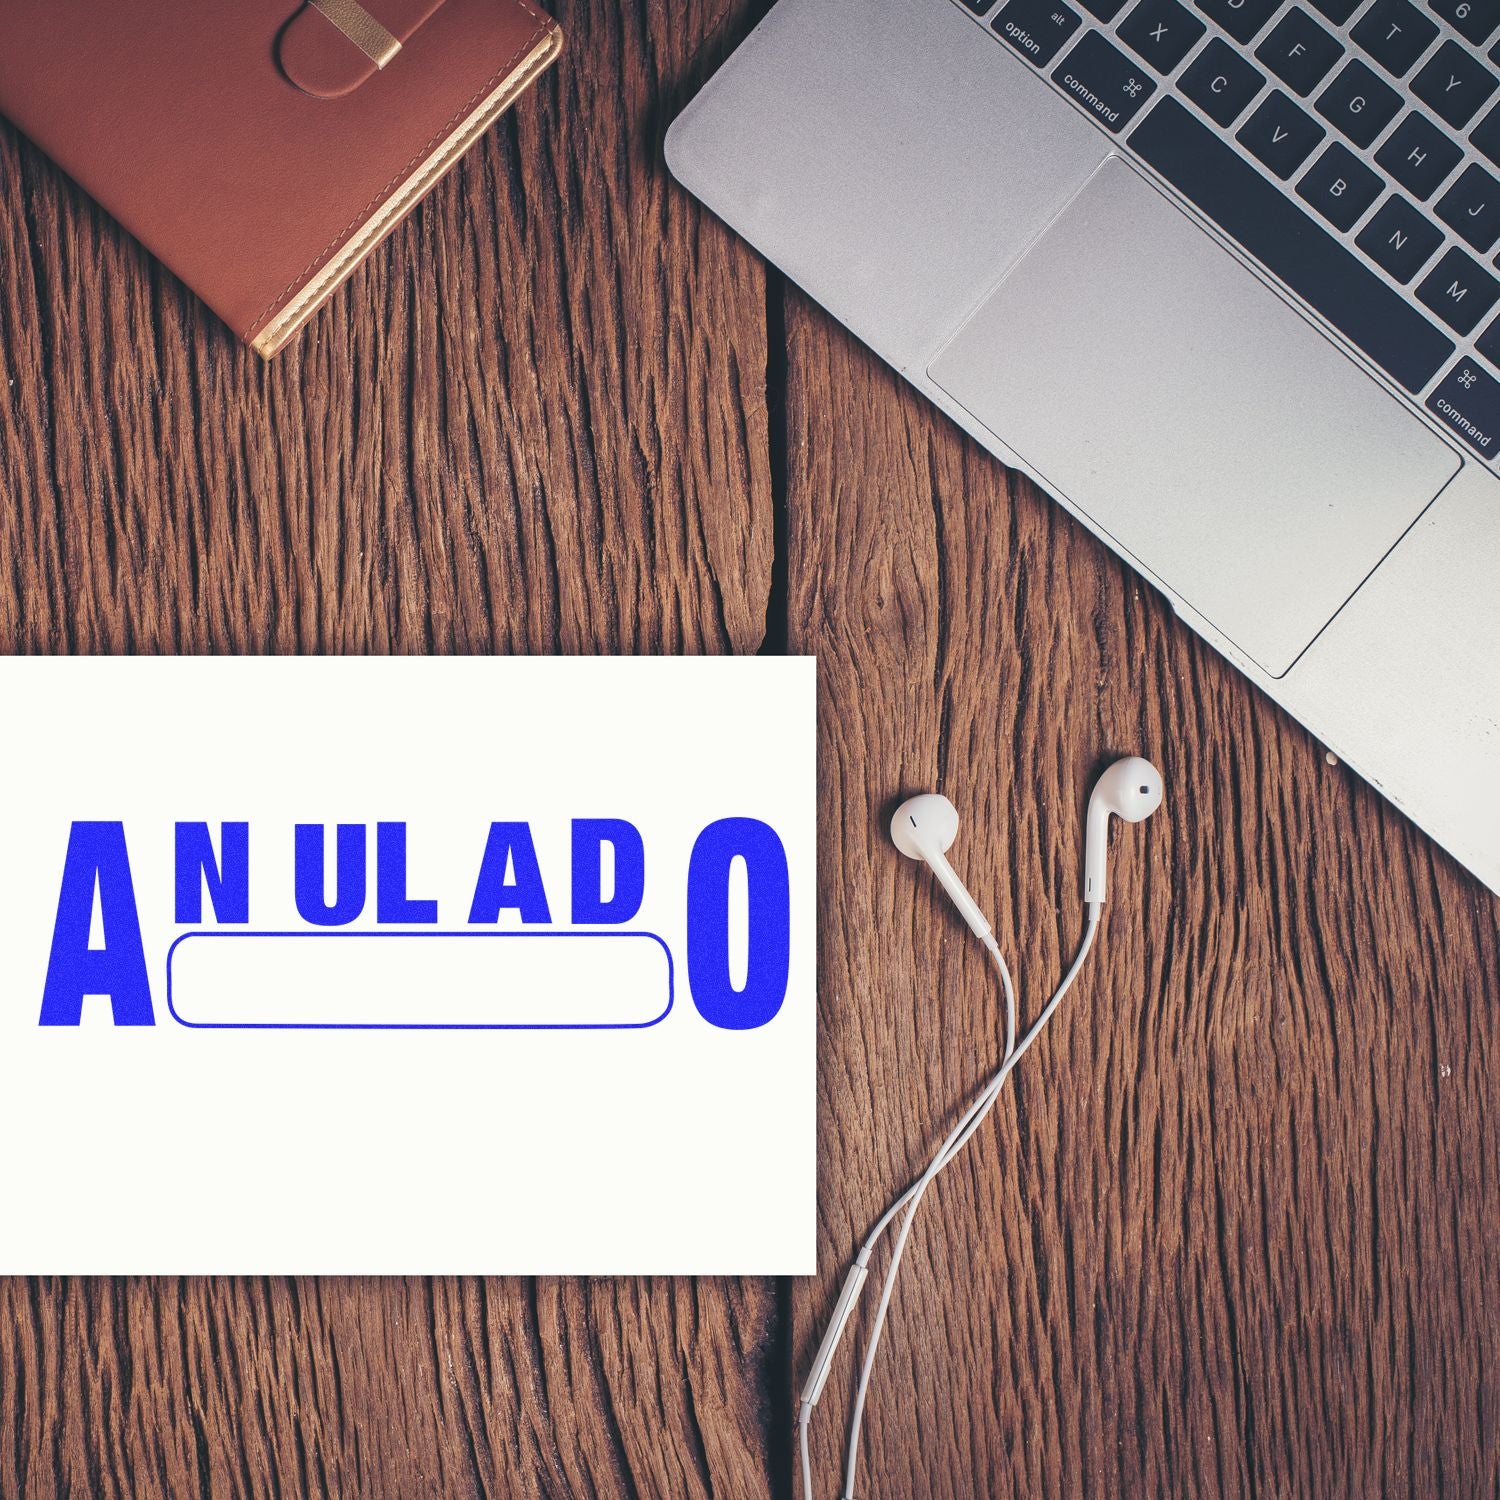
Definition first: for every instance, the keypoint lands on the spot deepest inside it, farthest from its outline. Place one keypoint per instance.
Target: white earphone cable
(957, 1138)
(825, 1355)
(803, 1418)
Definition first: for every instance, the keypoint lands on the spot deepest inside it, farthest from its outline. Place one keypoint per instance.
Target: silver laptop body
(1214, 351)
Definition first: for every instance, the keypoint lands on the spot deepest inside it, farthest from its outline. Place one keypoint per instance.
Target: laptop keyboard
(1351, 147)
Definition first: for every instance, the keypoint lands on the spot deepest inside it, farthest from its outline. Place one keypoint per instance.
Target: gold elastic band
(361, 28)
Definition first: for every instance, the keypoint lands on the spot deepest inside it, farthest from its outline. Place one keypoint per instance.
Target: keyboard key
(1454, 84)
(1104, 10)
(1337, 11)
(1290, 244)
(1394, 34)
(1220, 82)
(1471, 208)
(1399, 239)
(1486, 137)
(1418, 155)
(1240, 18)
(1340, 186)
(1459, 291)
(1280, 134)
(1468, 400)
(1299, 52)
(1104, 81)
(1473, 20)
(1488, 343)
(1037, 29)
(1359, 103)
(1162, 32)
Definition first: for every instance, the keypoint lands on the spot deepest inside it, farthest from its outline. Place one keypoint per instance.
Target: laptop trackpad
(1208, 428)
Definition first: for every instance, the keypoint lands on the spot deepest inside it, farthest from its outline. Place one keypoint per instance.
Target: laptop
(1220, 276)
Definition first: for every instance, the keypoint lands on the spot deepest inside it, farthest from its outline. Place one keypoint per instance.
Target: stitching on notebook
(374, 230)
(543, 22)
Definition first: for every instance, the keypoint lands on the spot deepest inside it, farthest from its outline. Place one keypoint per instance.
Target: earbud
(924, 828)
(1129, 789)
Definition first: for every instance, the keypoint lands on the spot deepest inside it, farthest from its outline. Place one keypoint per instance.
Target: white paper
(452, 1089)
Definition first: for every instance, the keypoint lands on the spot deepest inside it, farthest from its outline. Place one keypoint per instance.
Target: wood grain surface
(1235, 1230)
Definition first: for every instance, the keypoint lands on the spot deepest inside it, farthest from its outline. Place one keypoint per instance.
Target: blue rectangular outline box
(423, 1025)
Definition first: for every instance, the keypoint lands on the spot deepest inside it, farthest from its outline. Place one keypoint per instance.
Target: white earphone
(1130, 789)
(924, 827)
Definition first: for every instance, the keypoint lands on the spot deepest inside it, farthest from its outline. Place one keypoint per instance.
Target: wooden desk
(1236, 1229)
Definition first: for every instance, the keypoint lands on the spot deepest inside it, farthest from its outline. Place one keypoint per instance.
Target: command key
(1468, 400)
(1104, 81)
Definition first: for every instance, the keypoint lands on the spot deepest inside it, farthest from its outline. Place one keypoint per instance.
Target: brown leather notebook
(263, 148)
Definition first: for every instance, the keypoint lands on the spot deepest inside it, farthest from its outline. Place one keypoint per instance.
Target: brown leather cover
(250, 144)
